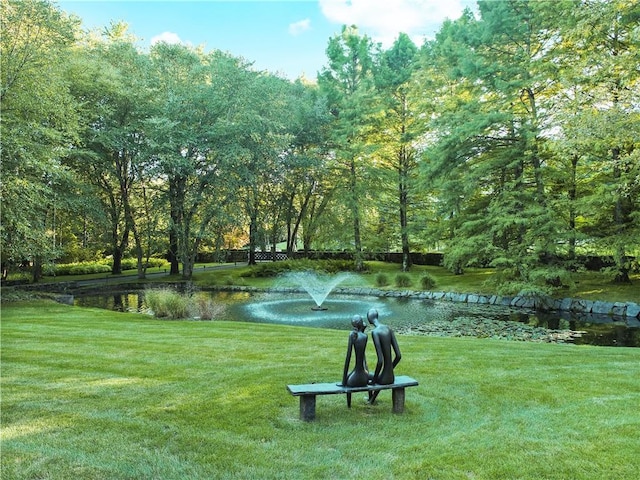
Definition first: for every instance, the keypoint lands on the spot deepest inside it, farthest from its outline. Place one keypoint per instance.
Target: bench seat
(308, 392)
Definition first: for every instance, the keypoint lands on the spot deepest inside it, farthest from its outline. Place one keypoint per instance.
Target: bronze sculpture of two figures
(385, 341)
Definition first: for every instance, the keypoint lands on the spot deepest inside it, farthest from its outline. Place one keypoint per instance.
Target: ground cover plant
(94, 394)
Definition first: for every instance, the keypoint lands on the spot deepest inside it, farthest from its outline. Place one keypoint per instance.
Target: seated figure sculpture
(359, 376)
(384, 340)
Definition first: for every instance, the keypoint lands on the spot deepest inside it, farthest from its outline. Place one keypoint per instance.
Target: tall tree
(400, 126)
(601, 124)
(348, 84)
(38, 122)
(491, 135)
(190, 132)
(305, 161)
(260, 141)
(111, 85)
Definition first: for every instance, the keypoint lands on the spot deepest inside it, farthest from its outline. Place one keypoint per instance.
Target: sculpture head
(372, 316)
(358, 323)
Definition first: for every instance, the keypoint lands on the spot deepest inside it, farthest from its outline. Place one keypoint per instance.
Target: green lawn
(93, 394)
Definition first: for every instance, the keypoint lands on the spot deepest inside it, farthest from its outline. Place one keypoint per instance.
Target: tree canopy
(511, 139)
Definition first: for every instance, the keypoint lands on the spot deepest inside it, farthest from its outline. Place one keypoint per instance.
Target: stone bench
(308, 392)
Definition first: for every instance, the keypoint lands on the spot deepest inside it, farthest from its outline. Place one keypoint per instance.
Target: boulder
(602, 308)
(523, 302)
(633, 310)
(581, 306)
(506, 301)
(619, 309)
(565, 304)
(546, 304)
(459, 297)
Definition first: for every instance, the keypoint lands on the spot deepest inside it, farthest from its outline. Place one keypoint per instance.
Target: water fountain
(292, 307)
(318, 286)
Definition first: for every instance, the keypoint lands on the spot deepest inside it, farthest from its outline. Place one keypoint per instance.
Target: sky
(286, 37)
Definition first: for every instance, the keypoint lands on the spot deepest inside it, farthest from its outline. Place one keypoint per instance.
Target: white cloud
(383, 20)
(299, 27)
(166, 37)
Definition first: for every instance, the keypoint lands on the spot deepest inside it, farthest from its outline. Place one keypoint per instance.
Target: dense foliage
(511, 140)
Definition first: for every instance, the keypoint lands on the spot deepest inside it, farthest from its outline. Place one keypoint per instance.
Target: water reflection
(295, 309)
(118, 301)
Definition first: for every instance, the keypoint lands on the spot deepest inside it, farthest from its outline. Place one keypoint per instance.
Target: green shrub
(167, 303)
(82, 268)
(89, 268)
(428, 281)
(101, 266)
(403, 280)
(132, 263)
(382, 280)
(334, 266)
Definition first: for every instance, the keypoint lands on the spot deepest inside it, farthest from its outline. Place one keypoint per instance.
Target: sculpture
(359, 376)
(384, 340)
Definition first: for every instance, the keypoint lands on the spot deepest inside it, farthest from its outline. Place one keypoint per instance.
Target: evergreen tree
(399, 127)
(601, 127)
(491, 134)
(348, 85)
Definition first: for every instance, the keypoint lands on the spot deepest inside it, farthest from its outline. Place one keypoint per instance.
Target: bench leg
(348, 399)
(398, 400)
(307, 407)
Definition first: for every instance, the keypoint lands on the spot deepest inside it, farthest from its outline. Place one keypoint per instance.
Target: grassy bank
(92, 394)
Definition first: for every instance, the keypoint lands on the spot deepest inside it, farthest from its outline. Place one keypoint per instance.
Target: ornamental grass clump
(403, 280)
(382, 280)
(167, 303)
(428, 281)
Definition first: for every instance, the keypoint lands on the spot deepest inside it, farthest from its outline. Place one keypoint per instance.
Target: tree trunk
(621, 217)
(37, 269)
(116, 269)
(293, 234)
(403, 199)
(253, 227)
(173, 246)
(355, 208)
(188, 262)
(572, 209)
(176, 201)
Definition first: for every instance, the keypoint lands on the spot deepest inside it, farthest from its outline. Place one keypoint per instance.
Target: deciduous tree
(38, 122)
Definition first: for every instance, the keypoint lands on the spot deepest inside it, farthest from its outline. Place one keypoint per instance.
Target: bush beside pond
(173, 305)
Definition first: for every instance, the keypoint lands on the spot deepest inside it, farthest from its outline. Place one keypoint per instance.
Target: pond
(410, 316)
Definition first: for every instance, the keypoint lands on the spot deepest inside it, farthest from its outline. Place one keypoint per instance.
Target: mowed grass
(93, 394)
